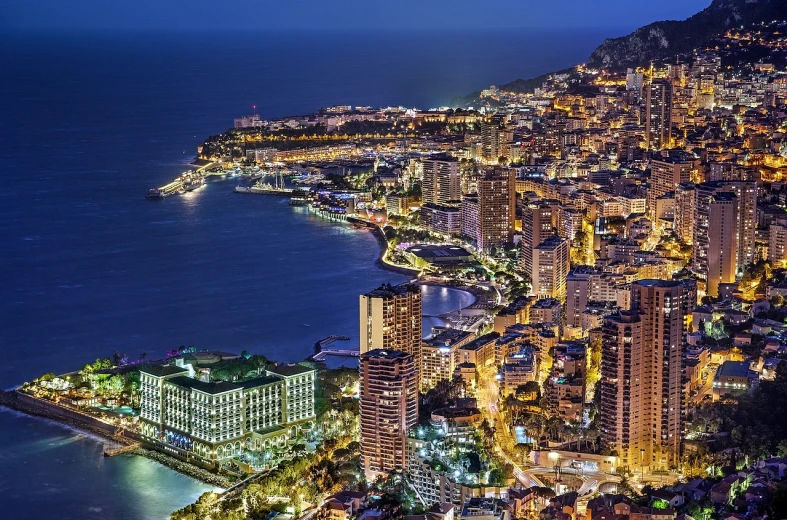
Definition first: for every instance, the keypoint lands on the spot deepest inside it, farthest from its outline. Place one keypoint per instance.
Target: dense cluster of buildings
(646, 212)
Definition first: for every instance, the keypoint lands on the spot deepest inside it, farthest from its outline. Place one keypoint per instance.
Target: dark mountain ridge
(665, 39)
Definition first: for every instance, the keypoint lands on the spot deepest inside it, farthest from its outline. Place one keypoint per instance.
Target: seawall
(40, 408)
(37, 407)
(383, 243)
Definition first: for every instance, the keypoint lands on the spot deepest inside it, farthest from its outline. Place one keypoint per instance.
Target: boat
(193, 182)
(154, 194)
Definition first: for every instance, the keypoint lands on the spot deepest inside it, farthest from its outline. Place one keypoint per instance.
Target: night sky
(71, 15)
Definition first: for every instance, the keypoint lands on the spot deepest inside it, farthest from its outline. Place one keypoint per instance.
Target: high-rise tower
(390, 318)
(388, 408)
(658, 114)
(641, 371)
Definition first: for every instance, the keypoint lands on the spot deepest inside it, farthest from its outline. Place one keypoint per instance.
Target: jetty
(320, 356)
(327, 341)
(264, 190)
(321, 350)
(111, 452)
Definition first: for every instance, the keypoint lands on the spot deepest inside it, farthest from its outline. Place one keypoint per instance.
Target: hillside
(669, 38)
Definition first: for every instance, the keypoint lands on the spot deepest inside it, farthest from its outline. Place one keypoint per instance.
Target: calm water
(89, 267)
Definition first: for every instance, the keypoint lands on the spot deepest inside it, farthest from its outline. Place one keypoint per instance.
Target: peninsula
(622, 228)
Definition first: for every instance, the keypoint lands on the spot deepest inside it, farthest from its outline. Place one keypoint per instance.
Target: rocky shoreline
(185, 468)
(11, 400)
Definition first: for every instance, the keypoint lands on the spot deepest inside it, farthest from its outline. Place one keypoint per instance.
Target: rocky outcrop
(669, 38)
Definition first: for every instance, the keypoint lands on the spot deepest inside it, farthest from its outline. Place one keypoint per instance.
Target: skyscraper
(537, 225)
(641, 371)
(684, 212)
(493, 135)
(550, 268)
(707, 239)
(496, 209)
(388, 408)
(471, 229)
(442, 181)
(723, 240)
(577, 292)
(777, 243)
(390, 318)
(658, 114)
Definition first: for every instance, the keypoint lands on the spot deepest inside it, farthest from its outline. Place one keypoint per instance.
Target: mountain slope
(669, 38)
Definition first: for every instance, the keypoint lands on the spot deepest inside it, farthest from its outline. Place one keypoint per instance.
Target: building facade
(390, 318)
(496, 209)
(551, 261)
(388, 407)
(216, 420)
(658, 114)
(739, 249)
(641, 371)
(537, 225)
(441, 181)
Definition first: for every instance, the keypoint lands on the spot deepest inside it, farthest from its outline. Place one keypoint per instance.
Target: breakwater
(186, 468)
(39, 408)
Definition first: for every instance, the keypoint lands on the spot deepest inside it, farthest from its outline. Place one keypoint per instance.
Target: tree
(531, 388)
(115, 384)
(779, 504)
(781, 449)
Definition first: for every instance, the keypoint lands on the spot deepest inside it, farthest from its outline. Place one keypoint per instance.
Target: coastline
(383, 243)
(105, 433)
(11, 399)
(378, 234)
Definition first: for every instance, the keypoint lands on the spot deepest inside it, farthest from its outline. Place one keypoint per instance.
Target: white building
(221, 419)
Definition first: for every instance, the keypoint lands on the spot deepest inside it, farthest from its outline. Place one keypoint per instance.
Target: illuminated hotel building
(221, 419)
(388, 407)
(641, 372)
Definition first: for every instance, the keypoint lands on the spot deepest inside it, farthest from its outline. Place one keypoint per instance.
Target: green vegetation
(239, 369)
(292, 486)
(757, 425)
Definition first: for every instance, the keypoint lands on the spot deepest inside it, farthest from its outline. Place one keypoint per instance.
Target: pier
(322, 352)
(111, 452)
(320, 345)
(264, 190)
(320, 356)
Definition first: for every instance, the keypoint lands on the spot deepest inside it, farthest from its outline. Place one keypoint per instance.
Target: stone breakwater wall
(40, 408)
(186, 468)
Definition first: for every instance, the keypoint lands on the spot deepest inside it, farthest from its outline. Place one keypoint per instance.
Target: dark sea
(89, 267)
